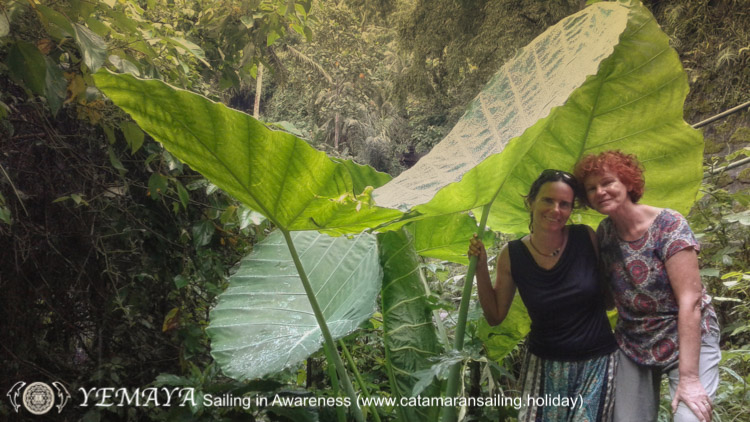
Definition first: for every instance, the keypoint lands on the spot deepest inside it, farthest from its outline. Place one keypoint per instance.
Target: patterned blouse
(647, 327)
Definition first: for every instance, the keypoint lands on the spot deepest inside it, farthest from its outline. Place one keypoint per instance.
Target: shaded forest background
(112, 252)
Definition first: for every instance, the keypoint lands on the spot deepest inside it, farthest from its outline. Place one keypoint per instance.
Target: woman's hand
(476, 248)
(495, 300)
(691, 392)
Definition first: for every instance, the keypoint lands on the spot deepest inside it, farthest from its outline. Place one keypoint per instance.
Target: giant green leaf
(363, 176)
(604, 78)
(272, 172)
(408, 332)
(446, 237)
(263, 322)
(503, 338)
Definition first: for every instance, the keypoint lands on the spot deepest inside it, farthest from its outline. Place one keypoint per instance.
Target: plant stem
(358, 377)
(343, 375)
(454, 378)
(340, 414)
(258, 90)
(435, 314)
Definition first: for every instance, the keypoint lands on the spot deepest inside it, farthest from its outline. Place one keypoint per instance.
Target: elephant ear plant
(277, 174)
(604, 78)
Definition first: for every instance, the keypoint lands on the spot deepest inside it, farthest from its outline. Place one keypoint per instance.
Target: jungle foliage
(115, 251)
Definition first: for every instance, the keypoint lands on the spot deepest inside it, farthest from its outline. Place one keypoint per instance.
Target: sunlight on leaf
(446, 237)
(272, 172)
(604, 78)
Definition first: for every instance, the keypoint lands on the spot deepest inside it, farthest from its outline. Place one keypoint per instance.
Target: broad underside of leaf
(632, 100)
(541, 76)
(264, 323)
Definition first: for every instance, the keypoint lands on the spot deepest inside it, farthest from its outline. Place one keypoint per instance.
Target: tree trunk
(258, 91)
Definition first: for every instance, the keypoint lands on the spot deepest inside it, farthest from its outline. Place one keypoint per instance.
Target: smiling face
(552, 206)
(605, 192)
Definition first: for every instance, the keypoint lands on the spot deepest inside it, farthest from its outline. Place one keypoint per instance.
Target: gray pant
(637, 387)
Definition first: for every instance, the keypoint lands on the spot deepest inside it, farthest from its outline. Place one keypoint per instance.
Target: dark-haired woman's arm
(495, 300)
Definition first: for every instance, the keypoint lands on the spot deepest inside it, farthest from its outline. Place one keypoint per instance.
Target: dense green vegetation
(114, 251)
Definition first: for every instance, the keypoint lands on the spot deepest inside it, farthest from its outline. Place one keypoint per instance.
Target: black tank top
(565, 303)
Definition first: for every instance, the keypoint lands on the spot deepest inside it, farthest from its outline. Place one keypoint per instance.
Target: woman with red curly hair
(666, 322)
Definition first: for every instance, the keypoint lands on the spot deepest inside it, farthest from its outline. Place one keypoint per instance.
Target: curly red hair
(626, 166)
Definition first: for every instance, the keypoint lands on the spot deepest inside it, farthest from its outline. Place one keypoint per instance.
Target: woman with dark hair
(666, 322)
(571, 349)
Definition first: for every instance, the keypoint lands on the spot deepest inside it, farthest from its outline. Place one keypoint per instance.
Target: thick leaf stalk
(339, 364)
(454, 378)
(360, 381)
(340, 412)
